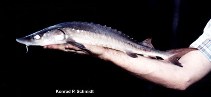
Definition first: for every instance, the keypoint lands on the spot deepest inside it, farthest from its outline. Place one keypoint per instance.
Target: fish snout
(23, 41)
(20, 40)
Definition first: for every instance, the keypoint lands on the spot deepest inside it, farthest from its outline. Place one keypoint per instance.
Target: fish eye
(37, 37)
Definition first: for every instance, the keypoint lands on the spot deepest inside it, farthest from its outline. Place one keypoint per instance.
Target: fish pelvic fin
(131, 54)
(177, 54)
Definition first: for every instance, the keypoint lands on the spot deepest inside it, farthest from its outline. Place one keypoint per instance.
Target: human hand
(96, 50)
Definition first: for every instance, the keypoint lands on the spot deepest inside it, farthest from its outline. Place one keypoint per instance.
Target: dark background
(170, 23)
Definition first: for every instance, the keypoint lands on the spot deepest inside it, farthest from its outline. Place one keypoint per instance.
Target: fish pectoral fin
(80, 46)
(131, 54)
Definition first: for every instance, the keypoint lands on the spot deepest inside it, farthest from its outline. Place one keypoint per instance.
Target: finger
(54, 46)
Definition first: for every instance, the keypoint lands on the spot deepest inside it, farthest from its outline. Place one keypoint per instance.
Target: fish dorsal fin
(147, 42)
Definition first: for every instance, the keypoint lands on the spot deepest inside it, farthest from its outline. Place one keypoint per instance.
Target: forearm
(156, 71)
(160, 72)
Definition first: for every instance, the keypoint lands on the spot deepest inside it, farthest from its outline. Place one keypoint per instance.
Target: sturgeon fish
(80, 33)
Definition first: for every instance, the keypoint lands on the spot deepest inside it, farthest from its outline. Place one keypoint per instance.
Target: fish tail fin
(177, 54)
